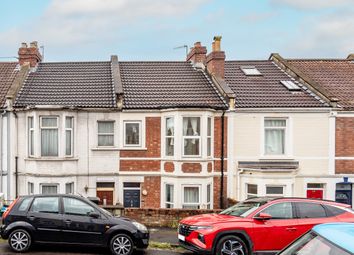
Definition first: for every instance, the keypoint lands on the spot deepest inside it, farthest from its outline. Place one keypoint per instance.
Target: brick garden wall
(162, 217)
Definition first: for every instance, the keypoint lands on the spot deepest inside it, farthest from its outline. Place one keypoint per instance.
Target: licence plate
(181, 237)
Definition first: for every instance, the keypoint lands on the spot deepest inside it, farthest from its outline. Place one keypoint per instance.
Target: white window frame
(275, 186)
(51, 185)
(286, 138)
(199, 137)
(31, 143)
(209, 203)
(199, 204)
(251, 194)
(139, 122)
(170, 136)
(209, 137)
(72, 184)
(71, 130)
(171, 203)
(57, 128)
(30, 187)
(98, 134)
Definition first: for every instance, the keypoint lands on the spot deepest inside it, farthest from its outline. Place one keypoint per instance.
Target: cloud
(257, 17)
(67, 22)
(329, 35)
(312, 4)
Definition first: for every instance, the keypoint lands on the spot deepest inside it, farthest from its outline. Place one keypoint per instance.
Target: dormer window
(290, 85)
(250, 71)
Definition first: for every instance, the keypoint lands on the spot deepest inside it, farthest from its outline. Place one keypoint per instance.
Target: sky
(86, 30)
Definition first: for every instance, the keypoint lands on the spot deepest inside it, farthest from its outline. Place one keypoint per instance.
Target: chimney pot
(23, 45)
(217, 42)
(34, 44)
(197, 54)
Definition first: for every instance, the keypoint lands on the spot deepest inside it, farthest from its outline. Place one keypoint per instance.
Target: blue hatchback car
(324, 239)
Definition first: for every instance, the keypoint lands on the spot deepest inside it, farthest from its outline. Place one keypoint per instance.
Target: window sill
(105, 149)
(133, 149)
(279, 157)
(51, 159)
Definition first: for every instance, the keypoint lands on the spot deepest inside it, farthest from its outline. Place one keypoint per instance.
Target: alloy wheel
(232, 247)
(20, 241)
(122, 245)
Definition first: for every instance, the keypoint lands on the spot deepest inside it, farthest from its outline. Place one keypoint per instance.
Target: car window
(310, 210)
(75, 206)
(334, 210)
(280, 211)
(25, 204)
(45, 205)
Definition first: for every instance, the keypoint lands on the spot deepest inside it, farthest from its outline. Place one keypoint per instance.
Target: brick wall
(162, 217)
(152, 185)
(169, 167)
(139, 165)
(344, 144)
(216, 194)
(191, 167)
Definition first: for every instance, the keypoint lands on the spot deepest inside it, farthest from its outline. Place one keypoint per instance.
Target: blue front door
(132, 198)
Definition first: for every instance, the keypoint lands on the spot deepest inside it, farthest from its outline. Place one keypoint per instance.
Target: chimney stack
(197, 54)
(351, 56)
(29, 54)
(216, 59)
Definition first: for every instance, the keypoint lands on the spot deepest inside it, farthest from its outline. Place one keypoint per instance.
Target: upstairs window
(169, 134)
(209, 138)
(49, 136)
(191, 136)
(250, 71)
(30, 137)
(274, 136)
(68, 136)
(105, 133)
(290, 85)
(132, 133)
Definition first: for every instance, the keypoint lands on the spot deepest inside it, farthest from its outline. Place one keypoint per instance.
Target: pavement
(161, 235)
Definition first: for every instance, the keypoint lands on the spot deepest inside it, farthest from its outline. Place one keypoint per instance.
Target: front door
(315, 193)
(106, 197)
(132, 198)
(45, 216)
(78, 226)
(279, 231)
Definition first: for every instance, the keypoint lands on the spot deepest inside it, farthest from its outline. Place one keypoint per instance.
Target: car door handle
(291, 229)
(68, 222)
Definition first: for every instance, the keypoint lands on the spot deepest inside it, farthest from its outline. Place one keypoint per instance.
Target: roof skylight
(290, 85)
(250, 70)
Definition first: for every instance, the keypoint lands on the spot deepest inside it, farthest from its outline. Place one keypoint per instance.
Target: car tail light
(9, 209)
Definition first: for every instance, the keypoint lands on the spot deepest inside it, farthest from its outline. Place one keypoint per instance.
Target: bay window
(169, 195)
(49, 188)
(191, 197)
(209, 196)
(169, 136)
(252, 190)
(191, 136)
(209, 137)
(49, 136)
(274, 136)
(105, 133)
(275, 191)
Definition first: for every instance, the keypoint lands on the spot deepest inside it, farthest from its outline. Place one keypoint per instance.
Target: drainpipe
(16, 157)
(222, 161)
(16, 176)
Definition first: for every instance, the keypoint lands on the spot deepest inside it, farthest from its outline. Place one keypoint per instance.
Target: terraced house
(143, 134)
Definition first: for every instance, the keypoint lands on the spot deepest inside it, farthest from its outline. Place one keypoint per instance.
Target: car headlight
(140, 226)
(200, 227)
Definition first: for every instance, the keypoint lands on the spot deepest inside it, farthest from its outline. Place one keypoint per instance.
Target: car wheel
(20, 240)
(121, 244)
(231, 245)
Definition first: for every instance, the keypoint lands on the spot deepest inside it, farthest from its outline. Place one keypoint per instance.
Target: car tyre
(231, 245)
(20, 240)
(121, 244)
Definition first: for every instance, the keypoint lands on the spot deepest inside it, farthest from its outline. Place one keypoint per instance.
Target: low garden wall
(162, 217)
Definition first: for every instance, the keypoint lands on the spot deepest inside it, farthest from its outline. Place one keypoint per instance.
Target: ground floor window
(191, 197)
(252, 190)
(131, 194)
(49, 188)
(275, 191)
(169, 195)
(209, 196)
(69, 188)
(30, 188)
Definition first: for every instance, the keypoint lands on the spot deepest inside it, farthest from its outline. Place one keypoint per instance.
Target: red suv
(258, 225)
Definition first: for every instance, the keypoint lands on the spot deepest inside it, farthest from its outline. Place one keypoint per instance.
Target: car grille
(185, 230)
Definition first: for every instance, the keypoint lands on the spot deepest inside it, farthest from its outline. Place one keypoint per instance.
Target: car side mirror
(94, 215)
(263, 216)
